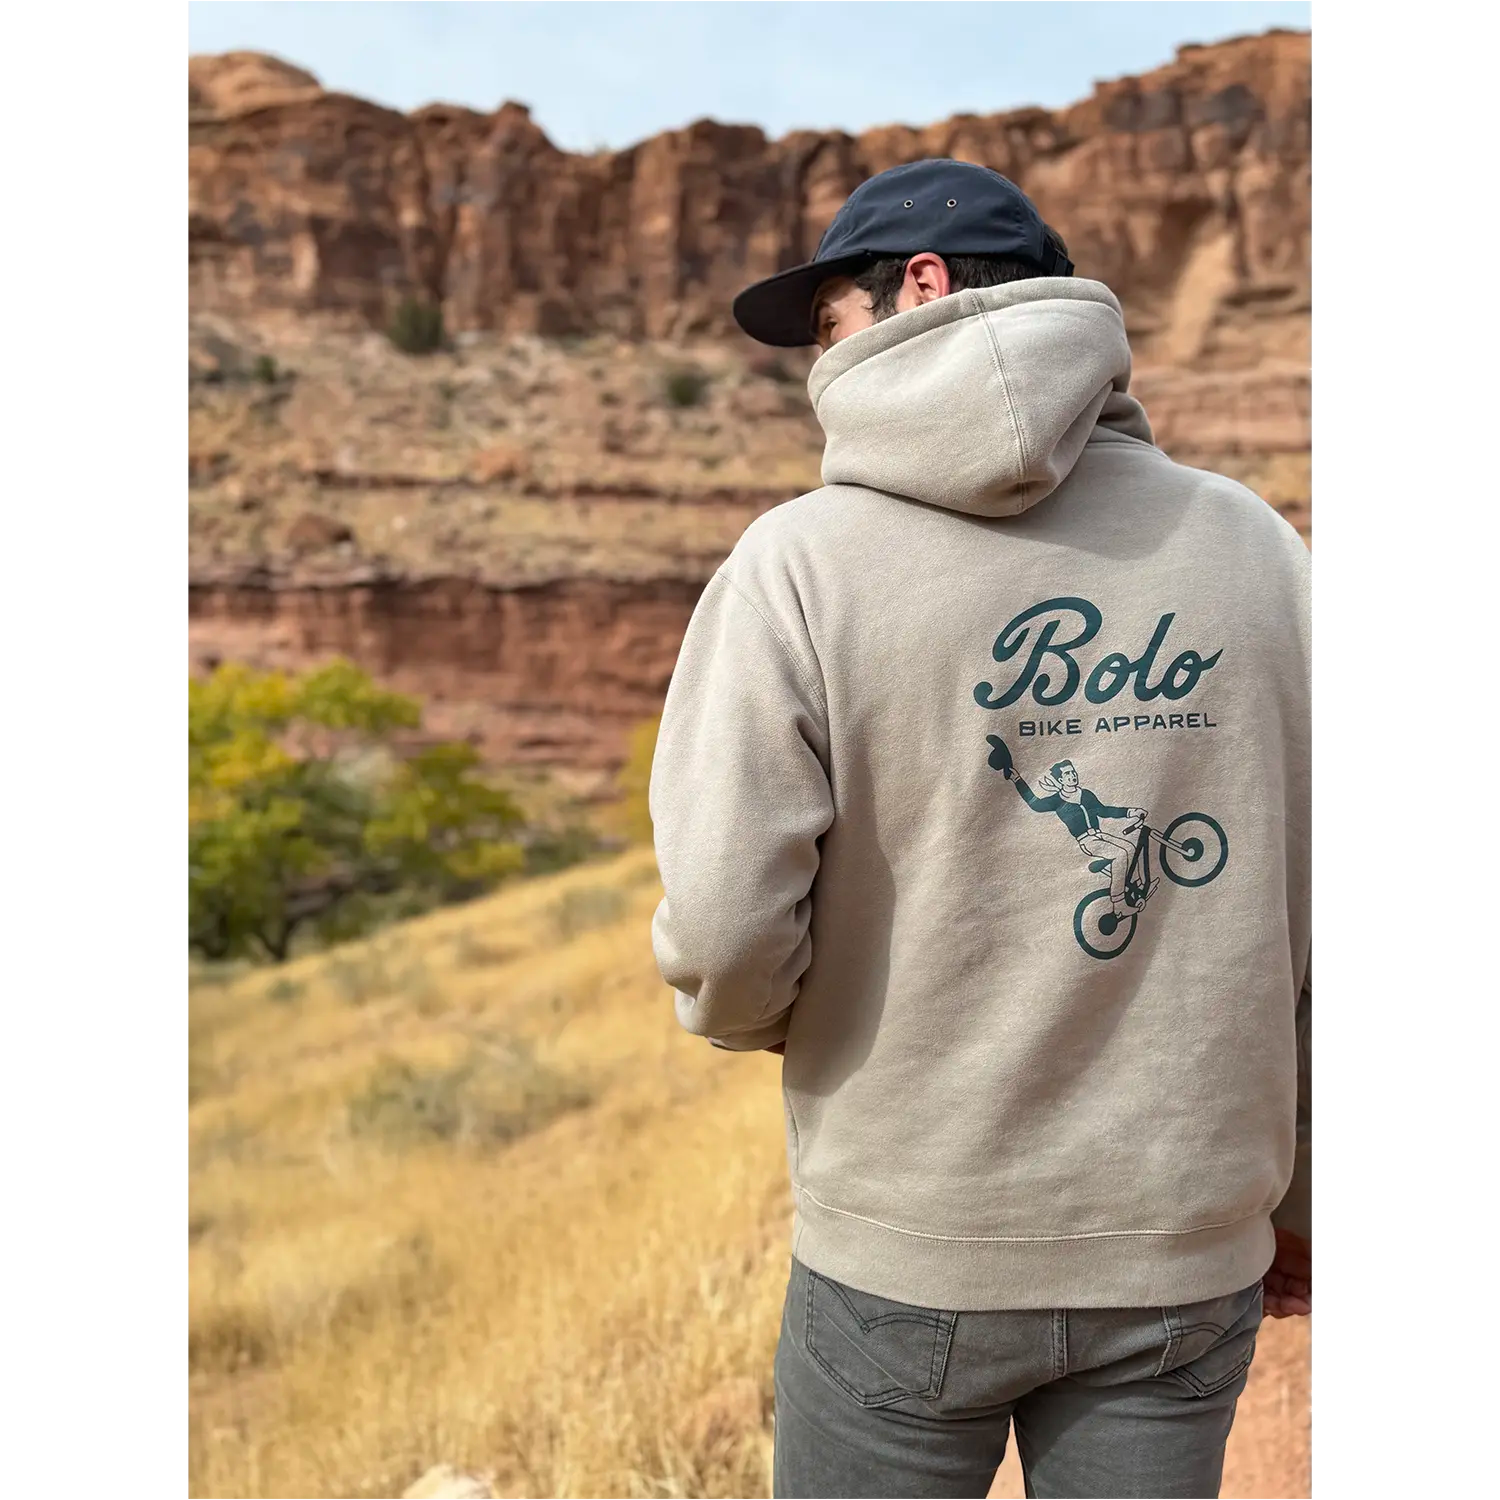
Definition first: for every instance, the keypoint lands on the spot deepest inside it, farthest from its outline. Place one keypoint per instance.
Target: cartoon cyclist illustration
(1080, 811)
(1193, 849)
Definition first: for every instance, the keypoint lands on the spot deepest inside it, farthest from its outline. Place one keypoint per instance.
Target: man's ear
(926, 279)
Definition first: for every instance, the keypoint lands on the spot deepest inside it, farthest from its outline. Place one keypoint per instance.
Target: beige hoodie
(1035, 1055)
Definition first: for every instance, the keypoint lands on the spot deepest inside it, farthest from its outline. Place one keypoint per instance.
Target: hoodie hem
(1148, 1268)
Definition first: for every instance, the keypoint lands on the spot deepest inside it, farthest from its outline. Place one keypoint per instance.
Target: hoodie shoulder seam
(781, 641)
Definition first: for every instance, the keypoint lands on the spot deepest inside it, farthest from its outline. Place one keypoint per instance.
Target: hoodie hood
(981, 401)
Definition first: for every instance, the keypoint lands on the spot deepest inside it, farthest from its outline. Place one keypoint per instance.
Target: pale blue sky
(612, 74)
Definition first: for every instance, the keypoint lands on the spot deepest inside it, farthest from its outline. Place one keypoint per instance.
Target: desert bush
(265, 370)
(416, 326)
(585, 908)
(685, 387)
(401, 1105)
(353, 980)
(301, 816)
(229, 1140)
(491, 1097)
(228, 1340)
(210, 974)
(284, 991)
(549, 851)
(470, 951)
(376, 972)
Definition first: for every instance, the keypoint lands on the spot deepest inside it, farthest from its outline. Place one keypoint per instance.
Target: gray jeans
(878, 1398)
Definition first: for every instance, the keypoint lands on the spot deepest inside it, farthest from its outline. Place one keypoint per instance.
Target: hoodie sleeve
(739, 797)
(1294, 1212)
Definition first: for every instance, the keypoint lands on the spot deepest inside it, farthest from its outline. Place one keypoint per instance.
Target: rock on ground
(444, 1482)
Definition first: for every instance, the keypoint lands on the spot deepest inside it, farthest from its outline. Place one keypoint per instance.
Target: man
(1029, 1188)
(1080, 811)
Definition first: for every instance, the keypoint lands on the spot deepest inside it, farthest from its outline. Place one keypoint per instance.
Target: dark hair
(1057, 770)
(882, 278)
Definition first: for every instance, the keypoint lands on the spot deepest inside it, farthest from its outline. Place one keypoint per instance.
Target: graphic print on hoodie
(1023, 1066)
(1192, 848)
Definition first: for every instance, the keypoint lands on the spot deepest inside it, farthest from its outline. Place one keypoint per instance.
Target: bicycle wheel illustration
(1205, 845)
(1100, 933)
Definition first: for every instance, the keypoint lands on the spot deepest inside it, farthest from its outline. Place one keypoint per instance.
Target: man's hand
(1136, 814)
(1288, 1284)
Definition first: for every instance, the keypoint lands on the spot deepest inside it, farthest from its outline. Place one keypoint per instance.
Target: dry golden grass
(552, 1249)
(547, 1308)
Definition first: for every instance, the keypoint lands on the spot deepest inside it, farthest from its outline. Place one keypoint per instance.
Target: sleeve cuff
(756, 1039)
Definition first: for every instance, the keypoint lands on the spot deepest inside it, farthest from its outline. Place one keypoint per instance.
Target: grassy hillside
(466, 1194)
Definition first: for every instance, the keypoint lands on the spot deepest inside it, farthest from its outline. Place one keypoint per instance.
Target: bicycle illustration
(1193, 849)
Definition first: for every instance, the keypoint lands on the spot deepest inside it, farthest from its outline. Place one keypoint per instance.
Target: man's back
(1039, 1048)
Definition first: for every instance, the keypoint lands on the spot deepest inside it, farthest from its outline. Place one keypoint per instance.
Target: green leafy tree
(299, 814)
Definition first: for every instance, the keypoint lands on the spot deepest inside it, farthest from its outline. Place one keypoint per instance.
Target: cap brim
(778, 310)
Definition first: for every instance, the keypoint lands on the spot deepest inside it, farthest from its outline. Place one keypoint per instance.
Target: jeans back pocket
(880, 1352)
(1212, 1342)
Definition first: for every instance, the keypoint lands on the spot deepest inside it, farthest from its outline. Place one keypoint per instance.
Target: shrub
(402, 1105)
(265, 370)
(284, 991)
(417, 326)
(352, 980)
(493, 1096)
(228, 1340)
(585, 908)
(549, 852)
(470, 951)
(685, 387)
(377, 971)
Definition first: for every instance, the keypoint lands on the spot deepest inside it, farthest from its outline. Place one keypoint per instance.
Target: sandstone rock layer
(1187, 190)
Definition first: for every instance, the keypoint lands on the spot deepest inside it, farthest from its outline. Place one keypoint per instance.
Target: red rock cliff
(1187, 190)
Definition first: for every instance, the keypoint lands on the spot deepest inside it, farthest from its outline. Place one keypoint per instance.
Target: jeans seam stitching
(866, 1324)
(1202, 1388)
(1169, 1322)
(832, 1437)
(934, 1375)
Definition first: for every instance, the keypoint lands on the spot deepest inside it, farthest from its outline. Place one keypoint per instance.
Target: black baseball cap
(944, 206)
